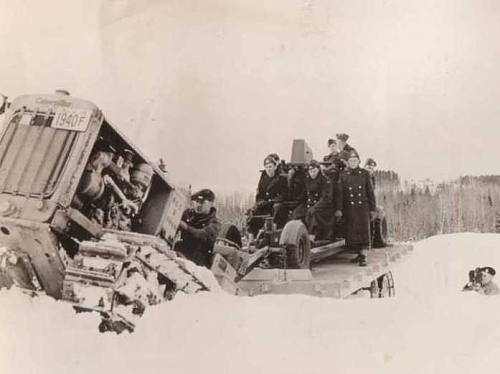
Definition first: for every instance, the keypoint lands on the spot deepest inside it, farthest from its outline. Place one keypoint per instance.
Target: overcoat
(271, 194)
(319, 204)
(356, 199)
(271, 189)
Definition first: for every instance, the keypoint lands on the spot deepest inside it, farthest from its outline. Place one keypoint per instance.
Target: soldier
(331, 161)
(356, 202)
(344, 150)
(319, 217)
(484, 285)
(271, 193)
(199, 228)
(370, 165)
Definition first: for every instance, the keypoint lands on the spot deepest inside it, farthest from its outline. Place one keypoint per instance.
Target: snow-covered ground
(429, 327)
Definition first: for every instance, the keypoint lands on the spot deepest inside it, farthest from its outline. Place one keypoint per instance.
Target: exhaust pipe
(4, 103)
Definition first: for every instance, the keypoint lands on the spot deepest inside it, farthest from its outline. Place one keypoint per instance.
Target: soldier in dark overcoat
(199, 228)
(319, 217)
(271, 193)
(356, 203)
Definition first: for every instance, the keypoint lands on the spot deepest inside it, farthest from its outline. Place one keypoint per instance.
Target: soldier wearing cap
(370, 165)
(356, 203)
(199, 228)
(484, 285)
(344, 149)
(332, 146)
(332, 162)
(271, 193)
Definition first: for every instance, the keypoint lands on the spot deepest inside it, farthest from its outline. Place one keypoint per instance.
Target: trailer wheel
(386, 285)
(230, 232)
(295, 240)
(380, 233)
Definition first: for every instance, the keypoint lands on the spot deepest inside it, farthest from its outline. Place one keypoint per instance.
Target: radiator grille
(33, 154)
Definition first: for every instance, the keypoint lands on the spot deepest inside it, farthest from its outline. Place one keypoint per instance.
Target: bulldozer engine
(113, 187)
(84, 216)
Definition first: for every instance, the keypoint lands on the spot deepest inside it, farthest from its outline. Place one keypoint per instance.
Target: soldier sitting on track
(199, 228)
(356, 202)
(271, 193)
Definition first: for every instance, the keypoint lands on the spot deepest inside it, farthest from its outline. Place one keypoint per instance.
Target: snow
(429, 327)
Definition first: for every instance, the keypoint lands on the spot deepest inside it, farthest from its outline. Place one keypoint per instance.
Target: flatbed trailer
(331, 274)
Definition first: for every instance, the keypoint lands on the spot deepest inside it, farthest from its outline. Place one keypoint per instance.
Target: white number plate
(71, 119)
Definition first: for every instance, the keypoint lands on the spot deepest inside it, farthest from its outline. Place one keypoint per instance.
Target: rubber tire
(380, 233)
(386, 285)
(295, 240)
(230, 232)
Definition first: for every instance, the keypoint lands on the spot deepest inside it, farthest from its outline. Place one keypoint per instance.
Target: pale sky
(214, 86)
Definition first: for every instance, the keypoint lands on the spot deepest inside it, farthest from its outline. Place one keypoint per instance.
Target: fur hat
(331, 141)
(270, 159)
(489, 270)
(370, 162)
(313, 164)
(342, 137)
(275, 156)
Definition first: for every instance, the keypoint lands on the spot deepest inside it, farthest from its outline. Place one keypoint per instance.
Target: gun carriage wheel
(295, 241)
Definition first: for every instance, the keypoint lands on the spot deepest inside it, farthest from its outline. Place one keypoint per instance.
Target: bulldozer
(85, 217)
(290, 260)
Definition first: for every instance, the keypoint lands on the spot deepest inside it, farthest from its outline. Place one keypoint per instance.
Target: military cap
(331, 141)
(354, 154)
(489, 270)
(370, 162)
(342, 137)
(202, 195)
(313, 164)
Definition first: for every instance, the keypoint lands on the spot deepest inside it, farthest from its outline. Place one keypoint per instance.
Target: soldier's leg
(362, 257)
(254, 224)
(280, 214)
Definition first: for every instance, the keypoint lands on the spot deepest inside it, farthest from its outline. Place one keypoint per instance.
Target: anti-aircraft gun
(84, 215)
(289, 260)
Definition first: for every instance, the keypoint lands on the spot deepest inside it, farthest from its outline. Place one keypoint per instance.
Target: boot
(355, 260)
(362, 260)
(362, 257)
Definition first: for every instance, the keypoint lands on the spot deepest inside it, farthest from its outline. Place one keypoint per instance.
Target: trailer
(331, 273)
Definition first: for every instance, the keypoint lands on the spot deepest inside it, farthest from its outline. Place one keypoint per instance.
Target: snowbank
(430, 327)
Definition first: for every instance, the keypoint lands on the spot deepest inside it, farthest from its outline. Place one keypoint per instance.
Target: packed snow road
(429, 327)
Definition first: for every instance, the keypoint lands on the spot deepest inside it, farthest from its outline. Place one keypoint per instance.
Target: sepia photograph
(236, 186)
